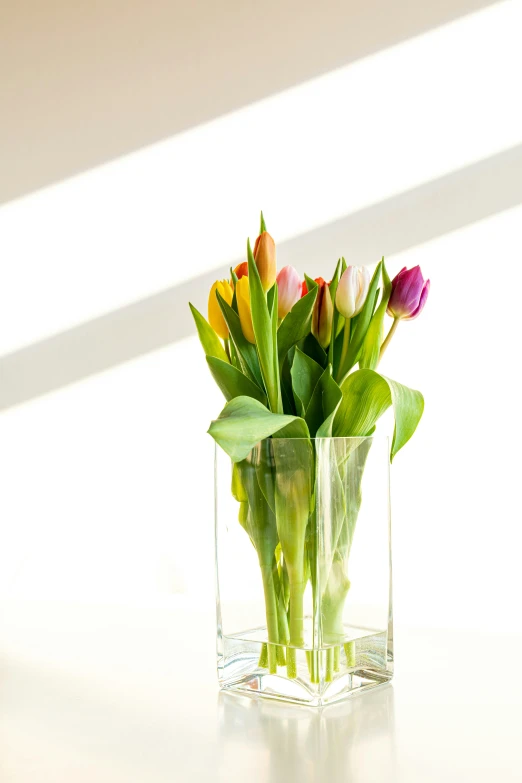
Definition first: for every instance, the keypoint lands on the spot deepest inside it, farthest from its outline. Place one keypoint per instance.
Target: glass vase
(303, 566)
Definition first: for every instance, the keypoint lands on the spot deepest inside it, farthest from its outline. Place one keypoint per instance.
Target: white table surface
(126, 694)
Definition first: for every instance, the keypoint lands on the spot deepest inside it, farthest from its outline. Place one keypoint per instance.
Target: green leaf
(325, 398)
(246, 352)
(336, 315)
(262, 459)
(323, 405)
(310, 346)
(232, 382)
(305, 374)
(338, 348)
(262, 224)
(263, 332)
(326, 428)
(361, 323)
(209, 340)
(310, 283)
(369, 358)
(243, 422)
(408, 407)
(366, 396)
(270, 296)
(274, 318)
(286, 386)
(233, 355)
(332, 393)
(297, 324)
(233, 277)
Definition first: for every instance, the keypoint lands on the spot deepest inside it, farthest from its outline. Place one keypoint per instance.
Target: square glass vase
(303, 569)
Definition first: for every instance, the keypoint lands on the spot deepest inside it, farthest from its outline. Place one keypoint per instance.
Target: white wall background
(412, 152)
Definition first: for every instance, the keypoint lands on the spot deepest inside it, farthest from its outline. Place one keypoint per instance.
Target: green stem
(349, 649)
(312, 659)
(388, 337)
(332, 605)
(227, 350)
(296, 624)
(329, 664)
(282, 622)
(296, 613)
(271, 616)
(284, 633)
(344, 350)
(263, 658)
(337, 657)
(291, 663)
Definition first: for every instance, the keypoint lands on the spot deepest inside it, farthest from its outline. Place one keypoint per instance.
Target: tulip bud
(288, 290)
(352, 290)
(215, 316)
(409, 294)
(265, 258)
(243, 308)
(322, 315)
(241, 270)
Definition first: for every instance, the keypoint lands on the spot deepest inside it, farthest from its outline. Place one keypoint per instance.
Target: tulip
(322, 316)
(241, 270)
(408, 295)
(304, 289)
(407, 299)
(352, 291)
(243, 308)
(265, 258)
(288, 290)
(215, 316)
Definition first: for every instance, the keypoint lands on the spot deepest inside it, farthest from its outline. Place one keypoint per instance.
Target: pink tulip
(288, 290)
(409, 294)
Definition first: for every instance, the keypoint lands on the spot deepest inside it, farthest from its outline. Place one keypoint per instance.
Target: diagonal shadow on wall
(391, 226)
(89, 82)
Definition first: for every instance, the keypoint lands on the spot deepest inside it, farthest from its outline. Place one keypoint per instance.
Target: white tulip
(352, 290)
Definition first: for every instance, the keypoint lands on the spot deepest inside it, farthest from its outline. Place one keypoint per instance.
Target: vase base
(323, 676)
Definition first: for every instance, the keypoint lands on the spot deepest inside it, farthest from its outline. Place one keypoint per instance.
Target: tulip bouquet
(297, 363)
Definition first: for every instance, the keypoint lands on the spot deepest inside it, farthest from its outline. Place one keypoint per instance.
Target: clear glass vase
(303, 563)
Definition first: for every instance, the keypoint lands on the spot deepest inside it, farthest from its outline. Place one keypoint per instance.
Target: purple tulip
(409, 294)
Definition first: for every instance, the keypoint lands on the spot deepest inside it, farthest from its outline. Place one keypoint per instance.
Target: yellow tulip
(243, 306)
(215, 316)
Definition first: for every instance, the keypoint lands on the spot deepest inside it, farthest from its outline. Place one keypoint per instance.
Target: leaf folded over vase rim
(244, 422)
(366, 396)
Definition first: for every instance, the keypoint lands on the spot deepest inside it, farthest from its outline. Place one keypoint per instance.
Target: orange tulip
(243, 307)
(241, 270)
(265, 258)
(215, 316)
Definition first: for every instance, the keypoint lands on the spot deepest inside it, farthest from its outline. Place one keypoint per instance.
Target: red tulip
(322, 315)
